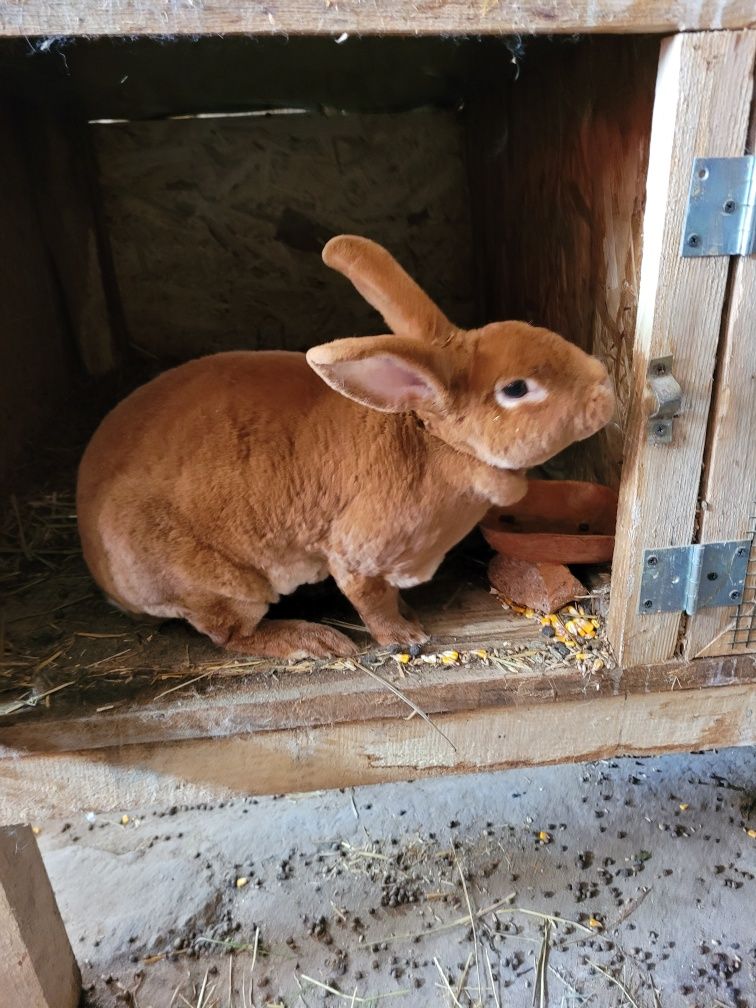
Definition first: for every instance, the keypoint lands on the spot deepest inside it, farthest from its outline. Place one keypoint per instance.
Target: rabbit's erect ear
(407, 310)
(388, 373)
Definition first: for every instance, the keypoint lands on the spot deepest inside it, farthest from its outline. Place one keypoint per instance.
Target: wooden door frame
(702, 108)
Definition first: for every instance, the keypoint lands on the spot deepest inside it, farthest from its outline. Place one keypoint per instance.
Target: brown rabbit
(231, 480)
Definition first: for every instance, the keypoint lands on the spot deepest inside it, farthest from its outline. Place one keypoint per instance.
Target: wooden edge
(702, 105)
(328, 698)
(37, 965)
(390, 17)
(370, 752)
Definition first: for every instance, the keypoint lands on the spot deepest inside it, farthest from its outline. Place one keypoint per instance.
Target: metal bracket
(689, 578)
(668, 395)
(721, 214)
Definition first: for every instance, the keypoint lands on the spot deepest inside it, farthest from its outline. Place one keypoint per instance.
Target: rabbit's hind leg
(292, 639)
(238, 625)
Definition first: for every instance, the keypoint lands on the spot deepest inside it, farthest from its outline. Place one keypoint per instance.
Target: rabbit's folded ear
(388, 373)
(406, 309)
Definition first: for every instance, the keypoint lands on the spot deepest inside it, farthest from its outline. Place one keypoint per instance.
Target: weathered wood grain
(140, 17)
(560, 164)
(703, 99)
(37, 965)
(272, 703)
(383, 748)
(728, 494)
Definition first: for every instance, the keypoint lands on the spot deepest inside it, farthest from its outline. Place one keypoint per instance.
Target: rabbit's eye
(515, 389)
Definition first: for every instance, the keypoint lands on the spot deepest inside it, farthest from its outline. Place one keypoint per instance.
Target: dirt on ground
(619, 883)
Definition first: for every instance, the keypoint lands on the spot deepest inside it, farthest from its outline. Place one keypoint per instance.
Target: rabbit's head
(509, 394)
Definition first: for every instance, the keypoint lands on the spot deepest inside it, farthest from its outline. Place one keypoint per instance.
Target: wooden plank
(729, 487)
(559, 163)
(62, 170)
(35, 368)
(384, 748)
(327, 697)
(295, 17)
(703, 99)
(37, 966)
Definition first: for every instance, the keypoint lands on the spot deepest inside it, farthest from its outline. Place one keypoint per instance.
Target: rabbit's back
(201, 464)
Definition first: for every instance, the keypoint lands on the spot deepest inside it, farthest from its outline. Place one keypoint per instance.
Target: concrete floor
(644, 866)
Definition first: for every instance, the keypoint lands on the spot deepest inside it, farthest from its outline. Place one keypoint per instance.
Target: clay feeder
(558, 522)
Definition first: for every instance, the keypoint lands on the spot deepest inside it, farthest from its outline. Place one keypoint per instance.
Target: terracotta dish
(558, 521)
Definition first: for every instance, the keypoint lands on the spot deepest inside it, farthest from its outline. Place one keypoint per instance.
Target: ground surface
(360, 890)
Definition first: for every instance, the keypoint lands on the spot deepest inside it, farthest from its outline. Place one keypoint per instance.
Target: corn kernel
(449, 657)
(480, 653)
(124, 820)
(598, 664)
(751, 833)
(36, 830)
(403, 659)
(595, 923)
(581, 655)
(529, 613)
(544, 837)
(683, 806)
(241, 882)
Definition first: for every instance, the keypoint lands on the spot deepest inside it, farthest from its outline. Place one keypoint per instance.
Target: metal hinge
(689, 578)
(721, 214)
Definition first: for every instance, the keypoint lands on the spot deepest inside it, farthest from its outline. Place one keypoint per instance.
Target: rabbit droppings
(231, 480)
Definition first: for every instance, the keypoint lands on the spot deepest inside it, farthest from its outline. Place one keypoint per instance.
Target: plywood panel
(217, 224)
(703, 100)
(141, 17)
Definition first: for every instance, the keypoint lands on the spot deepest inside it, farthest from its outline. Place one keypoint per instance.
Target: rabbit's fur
(231, 480)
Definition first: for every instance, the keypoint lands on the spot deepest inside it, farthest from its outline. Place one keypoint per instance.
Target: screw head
(712, 576)
(694, 240)
(652, 561)
(729, 206)
(660, 369)
(703, 173)
(741, 551)
(660, 430)
(648, 603)
(735, 595)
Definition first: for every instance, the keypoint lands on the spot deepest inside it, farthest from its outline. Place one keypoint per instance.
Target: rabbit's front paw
(405, 633)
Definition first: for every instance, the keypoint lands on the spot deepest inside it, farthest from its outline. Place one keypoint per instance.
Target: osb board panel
(368, 752)
(34, 365)
(216, 225)
(141, 17)
(566, 153)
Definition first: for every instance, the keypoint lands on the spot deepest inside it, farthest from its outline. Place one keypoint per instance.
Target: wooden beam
(62, 169)
(317, 17)
(571, 163)
(37, 966)
(703, 99)
(332, 731)
(729, 489)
